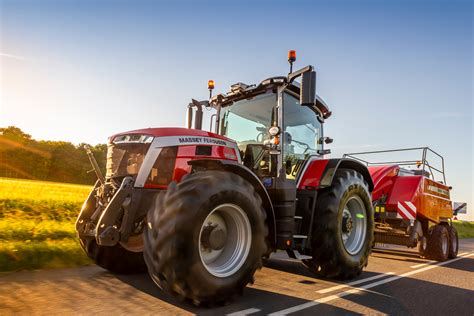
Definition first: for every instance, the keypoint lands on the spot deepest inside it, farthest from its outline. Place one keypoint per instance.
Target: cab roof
(239, 91)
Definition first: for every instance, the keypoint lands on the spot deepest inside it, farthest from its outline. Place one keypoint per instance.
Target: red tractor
(201, 209)
(412, 201)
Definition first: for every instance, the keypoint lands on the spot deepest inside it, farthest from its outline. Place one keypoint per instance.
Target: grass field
(37, 224)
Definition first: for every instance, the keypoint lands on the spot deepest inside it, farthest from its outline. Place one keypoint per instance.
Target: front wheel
(344, 227)
(206, 237)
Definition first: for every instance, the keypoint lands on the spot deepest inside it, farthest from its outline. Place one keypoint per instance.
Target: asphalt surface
(396, 282)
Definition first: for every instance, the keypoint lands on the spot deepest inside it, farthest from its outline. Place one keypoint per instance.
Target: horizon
(394, 74)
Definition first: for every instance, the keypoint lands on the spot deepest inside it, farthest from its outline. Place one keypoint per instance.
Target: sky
(394, 73)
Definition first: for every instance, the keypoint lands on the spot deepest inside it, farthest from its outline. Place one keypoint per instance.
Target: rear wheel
(453, 242)
(206, 237)
(344, 227)
(438, 243)
(114, 258)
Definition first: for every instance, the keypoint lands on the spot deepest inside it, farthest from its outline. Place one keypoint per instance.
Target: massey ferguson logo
(201, 140)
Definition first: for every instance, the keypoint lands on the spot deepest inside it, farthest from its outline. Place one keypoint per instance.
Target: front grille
(162, 171)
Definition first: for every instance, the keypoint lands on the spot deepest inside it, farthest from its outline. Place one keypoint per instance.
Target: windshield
(247, 121)
(302, 131)
(302, 128)
(125, 159)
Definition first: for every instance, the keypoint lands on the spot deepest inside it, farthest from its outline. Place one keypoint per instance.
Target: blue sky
(395, 73)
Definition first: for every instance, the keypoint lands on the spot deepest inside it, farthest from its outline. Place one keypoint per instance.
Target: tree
(23, 157)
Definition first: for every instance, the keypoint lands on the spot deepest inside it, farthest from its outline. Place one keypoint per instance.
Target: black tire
(438, 243)
(172, 242)
(115, 258)
(330, 257)
(453, 242)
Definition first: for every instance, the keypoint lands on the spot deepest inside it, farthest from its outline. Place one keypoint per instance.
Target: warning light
(210, 84)
(276, 140)
(291, 59)
(292, 56)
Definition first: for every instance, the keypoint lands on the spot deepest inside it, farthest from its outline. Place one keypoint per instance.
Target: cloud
(17, 57)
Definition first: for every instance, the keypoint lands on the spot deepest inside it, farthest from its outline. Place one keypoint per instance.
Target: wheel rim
(354, 225)
(224, 240)
(444, 245)
(134, 243)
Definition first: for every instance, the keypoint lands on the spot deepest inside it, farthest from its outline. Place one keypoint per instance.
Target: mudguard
(319, 173)
(247, 174)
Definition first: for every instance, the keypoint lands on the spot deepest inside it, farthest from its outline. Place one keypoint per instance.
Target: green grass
(37, 224)
(465, 229)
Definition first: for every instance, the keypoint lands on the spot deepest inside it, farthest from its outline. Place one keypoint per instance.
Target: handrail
(424, 162)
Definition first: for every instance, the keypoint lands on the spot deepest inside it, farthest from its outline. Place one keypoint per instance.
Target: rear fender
(244, 172)
(319, 173)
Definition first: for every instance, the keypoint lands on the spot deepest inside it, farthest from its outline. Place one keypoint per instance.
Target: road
(395, 282)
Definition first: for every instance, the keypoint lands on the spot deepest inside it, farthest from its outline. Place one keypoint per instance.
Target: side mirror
(308, 88)
(326, 140)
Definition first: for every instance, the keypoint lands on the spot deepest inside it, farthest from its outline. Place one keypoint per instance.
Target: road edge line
(341, 286)
(362, 288)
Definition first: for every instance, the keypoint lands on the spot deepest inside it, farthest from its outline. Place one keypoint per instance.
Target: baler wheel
(453, 242)
(205, 237)
(343, 229)
(438, 243)
(422, 244)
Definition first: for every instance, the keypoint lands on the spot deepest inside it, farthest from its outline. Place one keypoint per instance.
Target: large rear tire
(344, 227)
(453, 242)
(115, 258)
(438, 243)
(206, 237)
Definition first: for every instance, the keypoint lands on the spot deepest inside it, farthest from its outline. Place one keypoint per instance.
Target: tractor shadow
(266, 300)
(398, 255)
(262, 300)
(296, 267)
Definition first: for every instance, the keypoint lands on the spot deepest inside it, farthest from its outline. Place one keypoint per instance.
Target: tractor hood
(167, 132)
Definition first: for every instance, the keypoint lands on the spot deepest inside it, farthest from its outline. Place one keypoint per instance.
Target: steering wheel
(303, 144)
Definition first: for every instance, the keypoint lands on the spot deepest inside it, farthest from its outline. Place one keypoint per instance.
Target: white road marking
(245, 312)
(432, 261)
(341, 286)
(423, 264)
(362, 288)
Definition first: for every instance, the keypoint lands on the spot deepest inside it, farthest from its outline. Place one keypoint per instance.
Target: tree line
(21, 156)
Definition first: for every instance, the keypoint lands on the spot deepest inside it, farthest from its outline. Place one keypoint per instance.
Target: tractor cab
(277, 124)
(274, 138)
